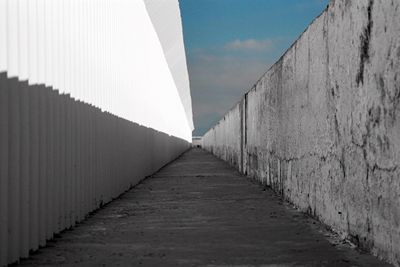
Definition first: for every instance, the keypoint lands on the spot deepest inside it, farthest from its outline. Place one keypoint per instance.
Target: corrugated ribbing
(102, 52)
(61, 159)
(78, 80)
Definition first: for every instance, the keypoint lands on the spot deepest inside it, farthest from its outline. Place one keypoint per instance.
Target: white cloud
(219, 76)
(218, 82)
(250, 45)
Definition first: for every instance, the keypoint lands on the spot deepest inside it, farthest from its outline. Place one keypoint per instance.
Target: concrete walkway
(198, 211)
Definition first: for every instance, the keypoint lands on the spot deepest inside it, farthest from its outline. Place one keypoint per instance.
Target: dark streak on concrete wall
(365, 39)
(322, 126)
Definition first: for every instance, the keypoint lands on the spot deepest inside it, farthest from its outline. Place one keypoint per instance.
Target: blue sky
(231, 43)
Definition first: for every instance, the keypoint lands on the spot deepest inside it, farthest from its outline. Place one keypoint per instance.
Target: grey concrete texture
(322, 126)
(199, 211)
(61, 159)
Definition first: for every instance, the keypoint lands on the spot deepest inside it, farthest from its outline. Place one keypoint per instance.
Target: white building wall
(88, 108)
(166, 18)
(105, 53)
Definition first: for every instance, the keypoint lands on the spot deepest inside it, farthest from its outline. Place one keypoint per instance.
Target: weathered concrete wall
(322, 126)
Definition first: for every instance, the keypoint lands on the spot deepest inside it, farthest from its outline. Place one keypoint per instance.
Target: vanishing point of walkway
(198, 211)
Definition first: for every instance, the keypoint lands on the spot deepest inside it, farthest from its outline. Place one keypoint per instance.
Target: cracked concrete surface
(322, 127)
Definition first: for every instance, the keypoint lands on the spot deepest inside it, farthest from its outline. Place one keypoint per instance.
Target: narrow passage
(198, 211)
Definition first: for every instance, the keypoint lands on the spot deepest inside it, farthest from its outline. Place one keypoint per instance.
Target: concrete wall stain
(365, 40)
(321, 126)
